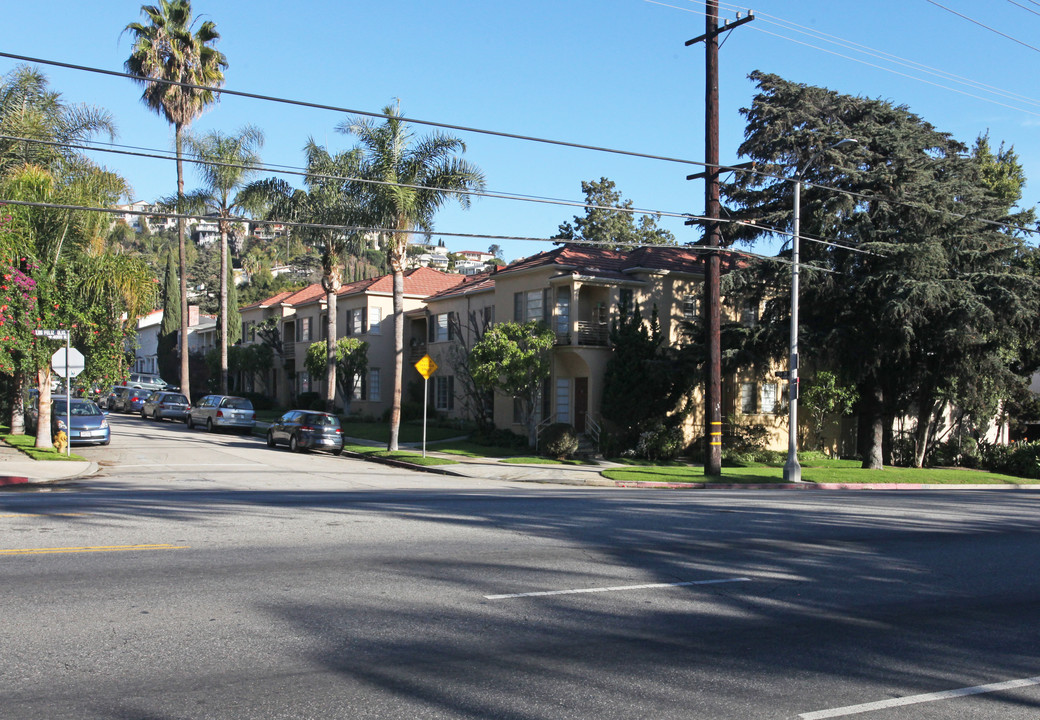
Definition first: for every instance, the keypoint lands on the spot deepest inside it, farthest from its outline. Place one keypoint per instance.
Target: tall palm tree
(225, 163)
(332, 208)
(415, 177)
(166, 50)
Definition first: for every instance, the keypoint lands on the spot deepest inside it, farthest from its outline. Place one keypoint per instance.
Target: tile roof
(606, 262)
(471, 284)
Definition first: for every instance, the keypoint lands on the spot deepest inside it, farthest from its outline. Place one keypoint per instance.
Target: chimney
(193, 315)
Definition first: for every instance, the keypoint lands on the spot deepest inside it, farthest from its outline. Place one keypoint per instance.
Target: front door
(581, 403)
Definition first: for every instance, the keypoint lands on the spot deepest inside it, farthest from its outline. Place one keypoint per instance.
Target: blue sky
(611, 73)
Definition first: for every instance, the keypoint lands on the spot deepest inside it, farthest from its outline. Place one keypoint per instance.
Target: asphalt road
(206, 576)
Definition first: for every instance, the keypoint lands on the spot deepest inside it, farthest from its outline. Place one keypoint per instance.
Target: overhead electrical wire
(983, 25)
(367, 229)
(880, 55)
(1027, 9)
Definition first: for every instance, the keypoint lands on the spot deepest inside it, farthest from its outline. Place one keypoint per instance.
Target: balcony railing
(593, 334)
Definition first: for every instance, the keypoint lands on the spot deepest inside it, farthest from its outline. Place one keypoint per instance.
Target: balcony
(596, 334)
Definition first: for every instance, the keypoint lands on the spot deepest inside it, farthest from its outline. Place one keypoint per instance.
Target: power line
(363, 113)
(1027, 9)
(880, 55)
(290, 170)
(366, 229)
(983, 25)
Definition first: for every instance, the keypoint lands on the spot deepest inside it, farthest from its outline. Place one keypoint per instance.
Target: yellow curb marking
(96, 548)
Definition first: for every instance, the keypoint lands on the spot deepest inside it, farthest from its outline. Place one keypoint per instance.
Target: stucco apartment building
(575, 290)
(364, 309)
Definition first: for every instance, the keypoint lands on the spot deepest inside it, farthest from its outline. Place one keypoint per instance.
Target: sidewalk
(19, 469)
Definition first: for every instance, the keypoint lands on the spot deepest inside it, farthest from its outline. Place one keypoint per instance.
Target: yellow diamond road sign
(426, 366)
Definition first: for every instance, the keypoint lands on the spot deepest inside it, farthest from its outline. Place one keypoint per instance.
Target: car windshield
(175, 399)
(236, 403)
(79, 409)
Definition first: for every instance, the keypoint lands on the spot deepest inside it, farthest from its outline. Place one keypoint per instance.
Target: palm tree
(30, 109)
(166, 51)
(225, 162)
(329, 205)
(414, 178)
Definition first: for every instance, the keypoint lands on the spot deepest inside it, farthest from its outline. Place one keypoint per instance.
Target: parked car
(162, 405)
(108, 402)
(133, 400)
(89, 425)
(218, 412)
(146, 381)
(307, 430)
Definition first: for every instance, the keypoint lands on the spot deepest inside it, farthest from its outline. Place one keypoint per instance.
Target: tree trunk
(925, 406)
(223, 309)
(18, 403)
(330, 346)
(397, 265)
(183, 258)
(43, 417)
(873, 418)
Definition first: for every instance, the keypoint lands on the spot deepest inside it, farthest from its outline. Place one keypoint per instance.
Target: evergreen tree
(609, 221)
(930, 301)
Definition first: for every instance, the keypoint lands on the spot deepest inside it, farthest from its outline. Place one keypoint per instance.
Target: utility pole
(712, 232)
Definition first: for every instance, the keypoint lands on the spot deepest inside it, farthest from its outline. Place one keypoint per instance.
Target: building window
(563, 400)
(625, 298)
(767, 398)
(373, 384)
(303, 382)
(691, 307)
(489, 316)
(749, 314)
(357, 321)
(532, 305)
(440, 327)
(444, 392)
(358, 392)
(375, 317)
(747, 398)
(563, 311)
(303, 330)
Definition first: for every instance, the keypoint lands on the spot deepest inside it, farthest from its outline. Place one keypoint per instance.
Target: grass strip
(24, 443)
(848, 472)
(402, 455)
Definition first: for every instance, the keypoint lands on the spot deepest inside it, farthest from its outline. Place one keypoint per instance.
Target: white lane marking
(615, 588)
(195, 465)
(914, 699)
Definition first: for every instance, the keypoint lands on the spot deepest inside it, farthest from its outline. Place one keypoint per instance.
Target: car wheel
(294, 444)
(188, 422)
(209, 425)
(270, 439)
(106, 442)
(144, 415)
(337, 453)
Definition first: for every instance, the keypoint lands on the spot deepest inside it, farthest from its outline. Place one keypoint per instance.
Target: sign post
(68, 363)
(426, 367)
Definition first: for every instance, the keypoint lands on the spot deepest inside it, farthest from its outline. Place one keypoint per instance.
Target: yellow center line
(93, 548)
(13, 515)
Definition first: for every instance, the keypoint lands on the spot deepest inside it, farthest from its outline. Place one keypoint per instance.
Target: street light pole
(792, 470)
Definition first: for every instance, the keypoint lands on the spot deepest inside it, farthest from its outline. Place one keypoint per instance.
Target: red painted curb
(13, 480)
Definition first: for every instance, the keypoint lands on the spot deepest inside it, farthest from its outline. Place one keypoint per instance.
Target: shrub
(493, 437)
(558, 441)
(960, 451)
(1021, 459)
(660, 443)
(259, 400)
(305, 399)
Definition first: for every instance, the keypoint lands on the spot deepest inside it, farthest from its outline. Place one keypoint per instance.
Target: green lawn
(409, 433)
(403, 455)
(25, 444)
(823, 471)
